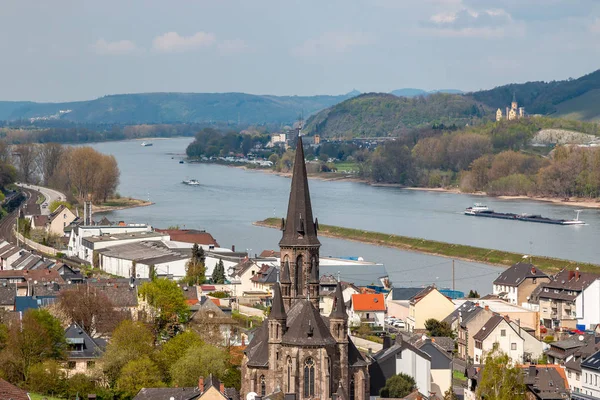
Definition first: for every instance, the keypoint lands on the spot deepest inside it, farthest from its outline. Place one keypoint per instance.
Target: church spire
(277, 309)
(339, 307)
(300, 228)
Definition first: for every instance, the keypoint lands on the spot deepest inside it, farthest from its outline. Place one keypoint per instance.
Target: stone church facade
(297, 352)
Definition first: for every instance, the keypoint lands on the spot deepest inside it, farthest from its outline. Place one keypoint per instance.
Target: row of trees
(210, 142)
(82, 171)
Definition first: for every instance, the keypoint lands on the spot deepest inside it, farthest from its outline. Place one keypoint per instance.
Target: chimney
(477, 304)
(487, 308)
(233, 248)
(577, 275)
(507, 317)
(222, 388)
(201, 384)
(532, 371)
(533, 271)
(571, 274)
(387, 342)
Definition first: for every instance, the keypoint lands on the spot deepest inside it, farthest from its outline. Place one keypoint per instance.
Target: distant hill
(571, 98)
(175, 108)
(410, 92)
(381, 114)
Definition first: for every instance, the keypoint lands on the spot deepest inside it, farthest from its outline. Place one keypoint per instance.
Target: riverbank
(456, 251)
(122, 203)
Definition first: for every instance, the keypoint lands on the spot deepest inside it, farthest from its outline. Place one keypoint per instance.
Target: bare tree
(107, 178)
(26, 161)
(4, 152)
(49, 160)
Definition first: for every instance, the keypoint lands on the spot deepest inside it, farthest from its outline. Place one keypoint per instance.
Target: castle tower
(498, 115)
(514, 105)
(299, 244)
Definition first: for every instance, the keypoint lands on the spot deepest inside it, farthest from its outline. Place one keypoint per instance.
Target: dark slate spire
(277, 309)
(285, 273)
(339, 307)
(314, 274)
(299, 228)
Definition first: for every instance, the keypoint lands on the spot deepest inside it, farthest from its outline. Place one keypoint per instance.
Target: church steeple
(299, 228)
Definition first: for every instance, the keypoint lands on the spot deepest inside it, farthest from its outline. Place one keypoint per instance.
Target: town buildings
(498, 332)
(367, 308)
(428, 303)
(296, 351)
(516, 284)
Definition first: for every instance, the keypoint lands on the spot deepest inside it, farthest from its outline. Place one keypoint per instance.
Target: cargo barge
(480, 210)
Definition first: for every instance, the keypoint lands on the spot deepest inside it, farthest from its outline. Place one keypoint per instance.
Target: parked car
(399, 324)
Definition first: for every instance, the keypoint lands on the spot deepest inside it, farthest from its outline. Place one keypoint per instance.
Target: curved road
(50, 195)
(7, 223)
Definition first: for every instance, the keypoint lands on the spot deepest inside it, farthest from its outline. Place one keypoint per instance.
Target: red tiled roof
(270, 253)
(190, 236)
(208, 288)
(368, 302)
(8, 391)
(42, 275)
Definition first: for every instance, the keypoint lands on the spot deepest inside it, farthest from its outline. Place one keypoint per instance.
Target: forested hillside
(155, 108)
(548, 98)
(384, 115)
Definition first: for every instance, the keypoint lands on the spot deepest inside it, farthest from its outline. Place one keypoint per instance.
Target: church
(297, 353)
(512, 113)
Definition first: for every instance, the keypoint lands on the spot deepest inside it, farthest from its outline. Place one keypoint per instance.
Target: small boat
(181, 162)
(146, 144)
(475, 208)
(191, 182)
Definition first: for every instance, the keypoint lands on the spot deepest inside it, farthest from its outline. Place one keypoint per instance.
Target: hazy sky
(81, 49)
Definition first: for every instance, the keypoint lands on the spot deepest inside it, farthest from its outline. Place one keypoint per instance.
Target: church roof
(355, 359)
(285, 273)
(339, 307)
(306, 327)
(258, 350)
(277, 309)
(300, 228)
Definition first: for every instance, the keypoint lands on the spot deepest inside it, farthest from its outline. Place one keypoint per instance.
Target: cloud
(332, 42)
(233, 46)
(173, 42)
(539, 10)
(468, 22)
(118, 47)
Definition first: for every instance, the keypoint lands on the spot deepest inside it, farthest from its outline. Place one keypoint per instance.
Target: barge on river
(480, 210)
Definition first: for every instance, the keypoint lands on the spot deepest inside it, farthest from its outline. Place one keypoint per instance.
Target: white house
(587, 310)
(367, 308)
(498, 331)
(590, 375)
(327, 293)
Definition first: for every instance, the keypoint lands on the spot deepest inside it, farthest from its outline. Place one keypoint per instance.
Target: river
(230, 199)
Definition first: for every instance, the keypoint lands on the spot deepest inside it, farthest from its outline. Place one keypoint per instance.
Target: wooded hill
(382, 115)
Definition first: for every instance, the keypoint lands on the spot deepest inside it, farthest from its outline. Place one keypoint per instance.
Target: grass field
(458, 251)
(348, 167)
(35, 396)
(583, 108)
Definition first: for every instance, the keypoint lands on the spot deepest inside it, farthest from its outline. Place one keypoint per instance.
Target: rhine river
(230, 199)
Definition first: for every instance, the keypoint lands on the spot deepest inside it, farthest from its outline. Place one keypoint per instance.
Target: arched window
(263, 386)
(309, 377)
(290, 389)
(299, 276)
(351, 388)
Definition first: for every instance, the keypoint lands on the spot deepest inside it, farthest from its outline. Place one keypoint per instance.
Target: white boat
(475, 208)
(575, 221)
(191, 182)
(146, 144)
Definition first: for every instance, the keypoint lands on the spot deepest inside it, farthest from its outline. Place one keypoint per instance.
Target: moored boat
(191, 182)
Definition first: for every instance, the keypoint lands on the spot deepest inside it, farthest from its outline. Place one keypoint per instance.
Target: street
(49, 194)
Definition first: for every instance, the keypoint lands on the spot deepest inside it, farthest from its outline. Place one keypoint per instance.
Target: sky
(65, 50)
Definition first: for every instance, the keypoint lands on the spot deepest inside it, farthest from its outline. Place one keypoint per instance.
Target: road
(50, 195)
(7, 223)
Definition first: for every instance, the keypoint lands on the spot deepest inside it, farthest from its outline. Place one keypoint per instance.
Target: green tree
(195, 273)
(473, 294)
(46, 378)
(438, 328)
(55, 204)
(500, 378)
(81, 385)
(130, 341)
(398, 386)
(218, 275)
(137, 374)
(199, 361)
(198, 253)
(174, 349)
(167, 298)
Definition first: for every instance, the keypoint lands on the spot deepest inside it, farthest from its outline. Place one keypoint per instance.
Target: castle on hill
(512, 113)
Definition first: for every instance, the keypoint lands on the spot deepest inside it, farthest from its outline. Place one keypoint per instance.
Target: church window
(309, 377)
(289, 375)
(263, 386)
(299, 276)
(351, 389)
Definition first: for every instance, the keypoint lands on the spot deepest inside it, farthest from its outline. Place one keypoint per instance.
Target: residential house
(123, 293)
(244, 288)
(441, 361)
(561, 350)
(367, 308)
(533, 348)
(516, 283)
(8, 293)
(590, 371)
(573, 361)
(428, 303)
(59, 220)
(587, 310)
(327, 293)
(83, 351)
(39, 221)
(560, 299)
(207, 389)
(264, 279)
(498, 332)
(398, 301)
(428, 365)
(8, 254)
(11, 392)
(470, 318)
(211, 322)
(69, 274)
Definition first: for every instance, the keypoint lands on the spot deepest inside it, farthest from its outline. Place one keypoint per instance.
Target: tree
(46, 378)
(218, 275)
(199, 361)
(438, 328)
(107, 178)
(174, 349)
(500, 378)
(48, 161)
(137, 374)
(81, 385)
(130, 341)
(398, 386)
(198, 253)
(167, 298)
(473, 294)
(27, 154)
(90, 308)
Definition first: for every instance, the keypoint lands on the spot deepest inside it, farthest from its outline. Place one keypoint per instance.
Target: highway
(50, 195)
